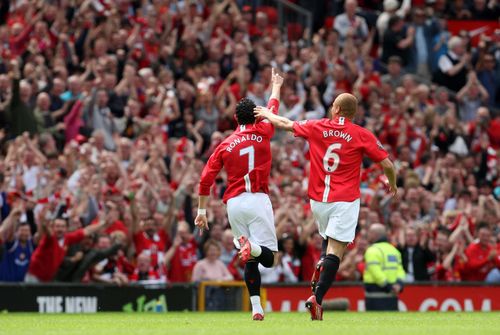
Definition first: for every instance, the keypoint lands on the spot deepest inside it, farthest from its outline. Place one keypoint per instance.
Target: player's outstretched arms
(390, 173)
(276, 120)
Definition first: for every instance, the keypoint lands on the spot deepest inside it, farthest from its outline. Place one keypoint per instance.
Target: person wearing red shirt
(336, 149)
(246, 156)
(261, 26)
(311, 256)
(290, 259)
(145, 272)
(485, 124)
(54, 241)
(113, 222)
(181, 257)
(151, 240)
(481, 256)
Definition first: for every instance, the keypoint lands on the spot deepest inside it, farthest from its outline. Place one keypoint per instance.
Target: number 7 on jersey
(250, 151)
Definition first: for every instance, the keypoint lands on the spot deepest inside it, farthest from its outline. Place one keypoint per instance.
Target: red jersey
(50, 253)
(453, 274)
(152, 274)
(478, 265)
(118, 225)
(336, 148)
(154, 246)
(309, 261)
(183, 261)
(246, 155)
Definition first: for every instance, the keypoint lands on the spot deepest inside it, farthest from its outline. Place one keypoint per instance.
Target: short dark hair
(483, 225)
(244, 111)
(23, 224)
(444, 230)
(395, 59)
(393, 20)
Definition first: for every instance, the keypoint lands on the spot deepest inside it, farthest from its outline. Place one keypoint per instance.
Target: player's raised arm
(276, 82)
(276, 120)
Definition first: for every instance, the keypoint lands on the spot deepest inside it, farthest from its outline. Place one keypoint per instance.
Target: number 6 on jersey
(332, 156)
(251, 162)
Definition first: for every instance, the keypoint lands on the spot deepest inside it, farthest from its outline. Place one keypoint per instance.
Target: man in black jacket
(415, 257)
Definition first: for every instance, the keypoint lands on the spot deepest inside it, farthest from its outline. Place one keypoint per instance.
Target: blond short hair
(454, 42)
(348, 104)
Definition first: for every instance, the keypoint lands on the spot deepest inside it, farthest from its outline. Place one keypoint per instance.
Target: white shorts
(336, 220)
(251, 215)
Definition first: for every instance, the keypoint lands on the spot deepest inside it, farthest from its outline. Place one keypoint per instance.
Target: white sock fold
(256, 250)
(256, 306)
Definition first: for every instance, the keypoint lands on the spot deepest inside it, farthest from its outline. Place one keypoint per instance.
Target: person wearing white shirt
(452, 66)
(349, 24)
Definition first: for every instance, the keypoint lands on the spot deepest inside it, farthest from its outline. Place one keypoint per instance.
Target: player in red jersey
(337, 147)
(246, 156)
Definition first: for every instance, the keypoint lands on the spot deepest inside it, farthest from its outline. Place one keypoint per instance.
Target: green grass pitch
(237, 323)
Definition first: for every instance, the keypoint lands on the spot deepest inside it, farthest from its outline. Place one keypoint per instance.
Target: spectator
(349, 24)
(394, 75)
(415, 257)
(57, 89)
(19, 112)
(391, 8)
(211, 267)
(181, 258)
(98, 117)
(150, 240)
(452, 66)
(228, 251)
(481, 256)
(470, 98)
(145, 273)
(442, 103)
(398, 41)
(489, 79)
(46, 122)
(291, 263)
(113, 270)
(460, 10)
(19, 246)
(74, 89)
(425, 29)
(439, 43)
(54, 240)
(482, 10)
(89, 255)
(311, 256)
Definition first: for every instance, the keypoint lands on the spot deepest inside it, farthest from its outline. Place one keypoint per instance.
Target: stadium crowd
(109, 109)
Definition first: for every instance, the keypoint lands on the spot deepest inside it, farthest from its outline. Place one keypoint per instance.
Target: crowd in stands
(109, 109)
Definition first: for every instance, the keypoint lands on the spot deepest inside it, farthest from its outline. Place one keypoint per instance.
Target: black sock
(266, 258)
(327, 276)
(252, 278)
(324, 245)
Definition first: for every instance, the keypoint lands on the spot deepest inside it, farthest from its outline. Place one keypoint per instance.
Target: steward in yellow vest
(384, 273)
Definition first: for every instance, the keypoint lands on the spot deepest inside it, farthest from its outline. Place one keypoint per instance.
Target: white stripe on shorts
(248, 185)
(327, 188)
